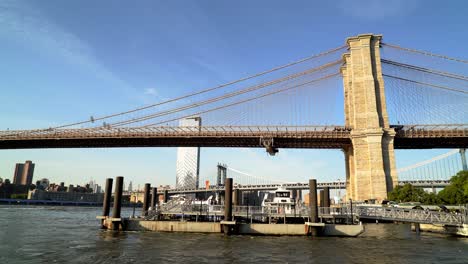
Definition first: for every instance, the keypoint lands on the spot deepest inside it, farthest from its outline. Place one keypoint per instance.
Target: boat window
(282, 194)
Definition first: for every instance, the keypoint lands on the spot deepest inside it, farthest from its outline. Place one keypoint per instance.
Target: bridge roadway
(301, 186)
(336, 137)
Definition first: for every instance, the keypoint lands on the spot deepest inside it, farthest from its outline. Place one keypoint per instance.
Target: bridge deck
(334, 137)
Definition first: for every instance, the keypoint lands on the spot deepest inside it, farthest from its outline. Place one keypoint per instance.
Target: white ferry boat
(279, 201)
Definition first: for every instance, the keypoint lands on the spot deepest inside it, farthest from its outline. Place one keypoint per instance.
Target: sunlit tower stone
(370, 160)
(188, 159)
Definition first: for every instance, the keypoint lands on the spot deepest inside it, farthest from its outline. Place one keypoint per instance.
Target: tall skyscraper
(24, 173)
(188, 159)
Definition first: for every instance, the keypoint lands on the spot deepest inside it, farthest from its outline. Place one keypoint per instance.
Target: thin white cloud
(30, 27)
(151, 91)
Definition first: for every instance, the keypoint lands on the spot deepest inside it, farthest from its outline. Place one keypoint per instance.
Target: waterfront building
(188, 160)
(43, 184)
(66, 196)
(24, 173)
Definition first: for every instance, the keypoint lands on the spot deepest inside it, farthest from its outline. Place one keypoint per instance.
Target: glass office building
(188, 160)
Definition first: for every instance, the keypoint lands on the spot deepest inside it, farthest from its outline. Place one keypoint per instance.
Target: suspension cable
(427, 70)
(209, 89)
(428, 84)
(245, 100)
(425, 53)
(226, 96)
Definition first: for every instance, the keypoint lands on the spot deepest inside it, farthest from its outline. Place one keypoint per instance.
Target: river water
(72, 235)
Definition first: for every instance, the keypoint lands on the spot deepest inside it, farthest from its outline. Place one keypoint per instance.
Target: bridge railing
(98, 132)
(325, 211)
(441, 130)
(425, 131)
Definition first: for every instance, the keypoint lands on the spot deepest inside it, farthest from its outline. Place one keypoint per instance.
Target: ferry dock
(280, 216)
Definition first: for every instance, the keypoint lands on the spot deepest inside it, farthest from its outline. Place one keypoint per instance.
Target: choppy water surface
(72, 235)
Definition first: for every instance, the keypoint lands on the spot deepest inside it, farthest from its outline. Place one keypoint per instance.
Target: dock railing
(411, 215)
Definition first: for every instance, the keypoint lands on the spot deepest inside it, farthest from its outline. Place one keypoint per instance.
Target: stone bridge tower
(370, 161)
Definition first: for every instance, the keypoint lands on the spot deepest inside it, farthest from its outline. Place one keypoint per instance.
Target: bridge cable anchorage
(425, 53)
(321, 54)
(428, 84)
(226, 96)
(244, 101)
(426, 70)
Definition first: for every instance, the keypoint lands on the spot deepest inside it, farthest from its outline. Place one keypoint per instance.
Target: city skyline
(80, 71)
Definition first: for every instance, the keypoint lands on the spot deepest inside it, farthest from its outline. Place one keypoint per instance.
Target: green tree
(457, 191)
(408, 193)
(431, 199)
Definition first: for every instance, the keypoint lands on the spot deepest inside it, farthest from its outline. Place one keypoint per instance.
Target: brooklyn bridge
(392, 98)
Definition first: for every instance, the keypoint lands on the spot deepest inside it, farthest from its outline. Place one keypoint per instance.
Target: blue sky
(63, 61)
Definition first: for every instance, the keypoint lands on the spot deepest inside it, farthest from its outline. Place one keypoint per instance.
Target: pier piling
(313, 215)
(322, 198)
(146, 198)
(107, 197)
(117, 203)
(166, 196)
(107, 200)
(154, 198)
(313, 201)
(326, 197)
(227, 206)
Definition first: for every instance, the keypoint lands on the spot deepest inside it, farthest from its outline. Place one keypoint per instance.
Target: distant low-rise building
(66, 196)
(42, 184)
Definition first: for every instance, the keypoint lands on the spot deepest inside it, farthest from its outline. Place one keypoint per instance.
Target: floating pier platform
(224, 221)
(136, 224)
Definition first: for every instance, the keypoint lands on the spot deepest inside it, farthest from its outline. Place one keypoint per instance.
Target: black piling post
(154, 197)
(313, 201)
(313, 215)
(227, 204)
(107, 197)
(107, 200)
(322, 198)
(326, 197)
(146, 198)
(166, 196)
(117, 201)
